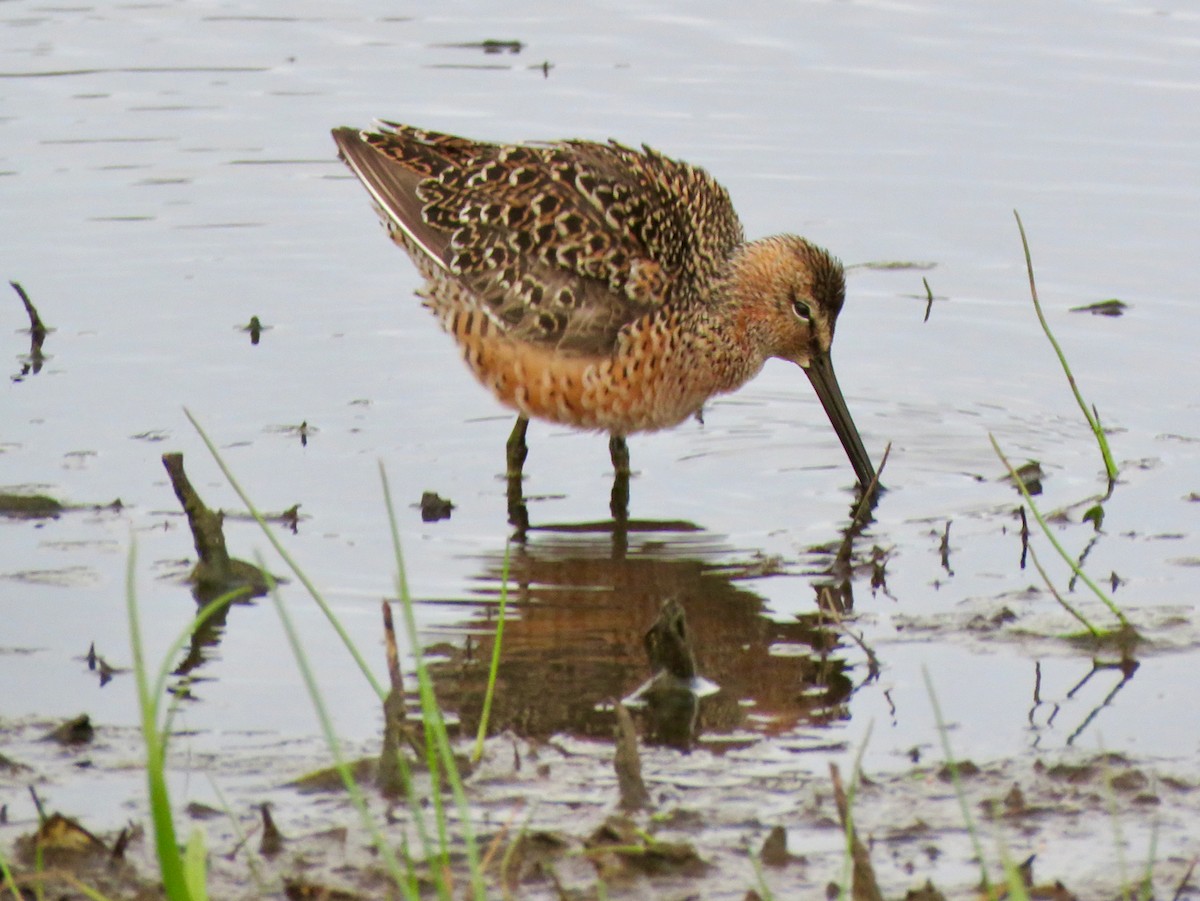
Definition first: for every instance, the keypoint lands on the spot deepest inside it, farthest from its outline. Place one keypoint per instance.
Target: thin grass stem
(1058, 597)
(357, 798)
(1146, 887)
(1089, 414)
(9, 882)
(431, 713)
(287, 558)
(959, 791)
(170, 864)
(1096, 589)
(494, 668)
(764, 890)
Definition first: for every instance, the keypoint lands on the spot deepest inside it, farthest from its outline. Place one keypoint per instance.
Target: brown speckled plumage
(597, 285)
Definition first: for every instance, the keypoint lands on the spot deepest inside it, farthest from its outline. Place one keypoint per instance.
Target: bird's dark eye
(801, 309)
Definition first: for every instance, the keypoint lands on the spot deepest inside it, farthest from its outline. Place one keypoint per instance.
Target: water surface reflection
(580, 601)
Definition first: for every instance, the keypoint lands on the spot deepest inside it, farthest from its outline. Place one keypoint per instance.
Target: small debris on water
(75, 731)
(1031, 475)
(215, 573)
(774, 851)
(254, 328)
(37, 335)
(435, 507)
(271, 842)
(29, 506)
(1110, 307)
(489, 46)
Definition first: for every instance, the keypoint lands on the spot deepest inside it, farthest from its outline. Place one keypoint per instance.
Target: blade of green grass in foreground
(959, 792)
(431, 714)
(1092, 417)
(847, 889)
(415, 808)
(170, 864)
(494, 669)
(291, 563)
(399, 876)
(184, 876)
(9, 882)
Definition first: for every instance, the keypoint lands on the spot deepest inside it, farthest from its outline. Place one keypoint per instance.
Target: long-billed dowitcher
(600, 286)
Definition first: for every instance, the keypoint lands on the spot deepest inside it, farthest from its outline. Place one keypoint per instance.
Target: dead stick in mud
(390, 777)
(863, 886)
(215, 570)
(628, 763)
(206, 525)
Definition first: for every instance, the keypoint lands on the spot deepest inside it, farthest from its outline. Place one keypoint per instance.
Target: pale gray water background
(166, 172)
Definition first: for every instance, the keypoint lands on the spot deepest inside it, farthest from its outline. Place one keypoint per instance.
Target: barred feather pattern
(593, 284)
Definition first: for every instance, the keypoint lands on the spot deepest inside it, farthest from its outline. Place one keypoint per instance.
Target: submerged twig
(1092, 417)
(37, 335)
(929, 298)
(37, 328)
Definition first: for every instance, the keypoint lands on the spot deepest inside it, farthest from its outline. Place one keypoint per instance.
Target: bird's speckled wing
(560, 245)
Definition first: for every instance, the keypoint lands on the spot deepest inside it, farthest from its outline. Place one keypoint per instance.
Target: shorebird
(600, 286)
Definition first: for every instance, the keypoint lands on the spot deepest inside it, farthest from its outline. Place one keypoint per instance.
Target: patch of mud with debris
(549, 824)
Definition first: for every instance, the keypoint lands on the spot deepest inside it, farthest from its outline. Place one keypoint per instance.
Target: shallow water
(166, 173)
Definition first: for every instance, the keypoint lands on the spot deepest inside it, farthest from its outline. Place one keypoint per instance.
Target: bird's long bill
(820, 373)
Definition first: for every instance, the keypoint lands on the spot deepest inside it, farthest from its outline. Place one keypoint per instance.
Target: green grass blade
(170, 863)
(287, 559)
(1037, 514)
(494, 669)
(1087, 623)
(352, 787)
(165, 669)
(431, 713)
(764, 890)
(195, 865)
(959, 791)
(415, 808)
(1092, 420)
(9, 882)
(851, 791)
(1146, 885)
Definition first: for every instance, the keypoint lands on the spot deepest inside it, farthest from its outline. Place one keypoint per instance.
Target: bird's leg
(517, 451)
(619, 502)
(516, 447)
(619, 451)
(518, 513)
